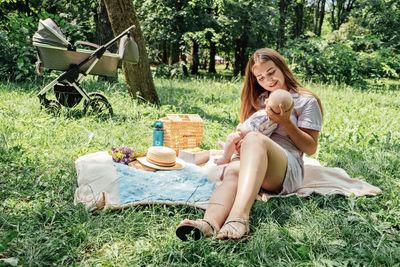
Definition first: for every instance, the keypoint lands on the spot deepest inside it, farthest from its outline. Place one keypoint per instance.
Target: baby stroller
(55, 52)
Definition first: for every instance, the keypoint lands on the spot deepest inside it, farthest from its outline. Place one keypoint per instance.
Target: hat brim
(179, 165)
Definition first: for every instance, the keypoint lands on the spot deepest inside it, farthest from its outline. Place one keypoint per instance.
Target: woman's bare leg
(220, 202)
(222, 199)
(262, 164)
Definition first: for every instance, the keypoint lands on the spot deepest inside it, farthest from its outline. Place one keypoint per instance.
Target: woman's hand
(283, 117)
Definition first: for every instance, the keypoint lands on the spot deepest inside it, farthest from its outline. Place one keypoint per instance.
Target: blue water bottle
(158, 134)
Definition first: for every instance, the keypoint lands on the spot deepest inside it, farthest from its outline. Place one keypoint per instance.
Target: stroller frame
(70, 79)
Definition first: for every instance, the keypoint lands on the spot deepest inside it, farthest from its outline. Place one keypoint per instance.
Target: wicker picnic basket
(182, 131)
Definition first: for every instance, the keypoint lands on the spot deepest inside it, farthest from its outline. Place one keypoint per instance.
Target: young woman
(272, 163)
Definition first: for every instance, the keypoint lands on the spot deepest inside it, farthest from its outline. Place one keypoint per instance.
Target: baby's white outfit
(260, 122)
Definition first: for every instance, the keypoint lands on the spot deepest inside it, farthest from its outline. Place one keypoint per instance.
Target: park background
(346, 51)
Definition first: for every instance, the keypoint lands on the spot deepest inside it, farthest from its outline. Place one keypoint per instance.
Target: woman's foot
(235, 229)
(196, 229)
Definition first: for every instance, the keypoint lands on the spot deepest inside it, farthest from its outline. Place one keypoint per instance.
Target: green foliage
(17, 55)
(170, 71)
(324, 61)
(365, 46)
(353, 34)
(315, 59)
(382, 19)
(163, 23)
(374, 58)
(170, 26)
(342, 64)
(351, 54)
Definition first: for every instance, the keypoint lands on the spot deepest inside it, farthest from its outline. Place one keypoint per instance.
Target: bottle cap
(158, 124)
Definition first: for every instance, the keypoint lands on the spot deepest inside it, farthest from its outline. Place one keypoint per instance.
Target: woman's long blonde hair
(252, 90)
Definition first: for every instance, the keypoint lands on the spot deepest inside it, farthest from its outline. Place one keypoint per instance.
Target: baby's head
(278, 97)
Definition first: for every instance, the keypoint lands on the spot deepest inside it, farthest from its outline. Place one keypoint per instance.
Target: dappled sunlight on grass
(17, 206)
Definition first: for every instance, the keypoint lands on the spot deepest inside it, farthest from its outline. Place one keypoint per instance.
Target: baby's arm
(243, 129)
(229, 148)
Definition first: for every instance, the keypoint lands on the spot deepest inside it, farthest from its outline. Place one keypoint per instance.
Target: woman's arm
(305, 139)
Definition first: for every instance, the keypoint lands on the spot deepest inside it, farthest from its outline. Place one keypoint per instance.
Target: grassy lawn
(39, 225)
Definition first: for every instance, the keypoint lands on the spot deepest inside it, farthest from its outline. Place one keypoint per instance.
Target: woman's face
(269, 76)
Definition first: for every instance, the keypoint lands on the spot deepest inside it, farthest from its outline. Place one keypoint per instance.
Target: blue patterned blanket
(187, 185)
(105, 184)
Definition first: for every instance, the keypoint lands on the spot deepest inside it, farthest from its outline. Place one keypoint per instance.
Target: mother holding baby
(272, 164)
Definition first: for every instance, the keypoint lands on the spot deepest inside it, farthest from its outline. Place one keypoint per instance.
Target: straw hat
(162, 158)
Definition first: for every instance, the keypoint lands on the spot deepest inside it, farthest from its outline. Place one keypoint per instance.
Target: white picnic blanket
(327, 181)
(317, 179)
(105, 184)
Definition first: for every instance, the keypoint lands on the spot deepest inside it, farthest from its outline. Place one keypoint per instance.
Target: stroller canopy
(56, 53)
(49, 34)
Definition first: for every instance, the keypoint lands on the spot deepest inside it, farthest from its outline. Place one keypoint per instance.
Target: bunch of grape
(123, 154)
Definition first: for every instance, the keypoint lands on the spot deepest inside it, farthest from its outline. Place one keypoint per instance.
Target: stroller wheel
(97, 106)
(51, 107)
(95, 94)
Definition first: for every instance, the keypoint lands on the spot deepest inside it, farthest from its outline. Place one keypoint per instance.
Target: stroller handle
(97, 53)
(122, 34)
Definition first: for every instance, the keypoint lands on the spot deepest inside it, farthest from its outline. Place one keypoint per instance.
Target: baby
(258, 122)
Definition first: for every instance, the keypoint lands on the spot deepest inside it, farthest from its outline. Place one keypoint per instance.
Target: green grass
(39, 225)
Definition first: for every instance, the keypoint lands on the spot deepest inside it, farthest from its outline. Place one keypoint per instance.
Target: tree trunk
(316, 17)
(173, 54)
(104, 34)
(122, 14)
(203, 65)
(243, 54)
(344, 11)
(165, 53)
(226, 59)
(213, 53)
(28, 8)
(333, 20)
(321, 17)
(282, 21)
(194, 62)
(299, 8)
(236, 65)
(340, 12)
(184, 68)
(178, 30)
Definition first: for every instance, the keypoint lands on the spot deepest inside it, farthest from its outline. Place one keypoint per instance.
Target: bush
(390, 63)
(343, 66)
(170, 71)
(17, 55)
(370, 64)
(325, 61)
(318, 60)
